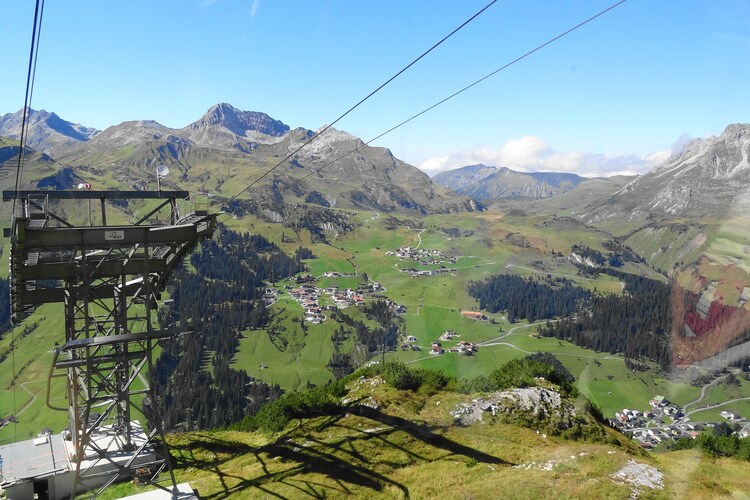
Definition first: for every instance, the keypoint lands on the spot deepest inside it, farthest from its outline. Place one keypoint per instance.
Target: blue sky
(615, 96)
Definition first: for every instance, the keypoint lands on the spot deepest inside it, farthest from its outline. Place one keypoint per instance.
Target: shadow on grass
(283, 461)
(427, 435)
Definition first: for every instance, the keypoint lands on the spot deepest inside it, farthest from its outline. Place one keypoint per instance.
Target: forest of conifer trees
(527, 298)
(214, 305)
(636, 324)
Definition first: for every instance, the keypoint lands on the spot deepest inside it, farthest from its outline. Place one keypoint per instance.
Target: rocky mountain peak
(47, 131)
(240, 122)
(707, 177)
(736, 131)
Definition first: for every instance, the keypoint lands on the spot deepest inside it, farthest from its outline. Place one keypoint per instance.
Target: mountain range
(47, 132)
(484, 182)
(710, 176)
(227, 150)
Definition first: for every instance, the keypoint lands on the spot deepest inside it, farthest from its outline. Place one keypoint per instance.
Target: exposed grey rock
(708, 177)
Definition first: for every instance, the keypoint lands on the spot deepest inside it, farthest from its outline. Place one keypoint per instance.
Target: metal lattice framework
(109, 279)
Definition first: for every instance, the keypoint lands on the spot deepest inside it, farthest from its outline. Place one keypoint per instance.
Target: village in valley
(424, 257)
(308, 295)
(660, 422)
(664, 420)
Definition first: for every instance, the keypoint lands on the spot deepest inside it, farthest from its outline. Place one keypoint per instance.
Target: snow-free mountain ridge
(228, 149)
(710, 176)
(47, 132)
(484, 182)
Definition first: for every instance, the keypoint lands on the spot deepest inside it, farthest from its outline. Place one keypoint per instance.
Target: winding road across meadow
(493, 342)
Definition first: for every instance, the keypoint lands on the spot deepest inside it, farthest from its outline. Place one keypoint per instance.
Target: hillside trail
(703, 393)
(419, 239)
(33, 396)
(717, 405)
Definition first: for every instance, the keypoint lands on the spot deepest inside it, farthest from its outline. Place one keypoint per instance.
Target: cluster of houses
(732, 417)
(270, 295)
(345, 298)
(336, 274)
(651, 427)
(308, 295)
(462, 348)
(477, 315)
(416, 273)
(449, 335)
(660, 408)
(410, 344)
(423, 256)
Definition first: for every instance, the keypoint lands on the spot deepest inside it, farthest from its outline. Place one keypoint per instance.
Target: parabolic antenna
(162, 171)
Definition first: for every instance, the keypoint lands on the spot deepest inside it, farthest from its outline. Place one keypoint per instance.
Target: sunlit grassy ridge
(409, 447)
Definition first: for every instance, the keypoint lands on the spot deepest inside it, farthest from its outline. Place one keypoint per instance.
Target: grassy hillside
(405, 444)
(482, 243)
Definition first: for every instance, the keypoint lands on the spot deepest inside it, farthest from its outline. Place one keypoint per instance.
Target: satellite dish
(161, 171)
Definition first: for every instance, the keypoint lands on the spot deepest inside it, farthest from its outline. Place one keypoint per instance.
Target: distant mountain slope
(36, 165)
(47, 132)
(491, 183)
(577, 199)
(461, 177)
(228, 149)
(709, 177)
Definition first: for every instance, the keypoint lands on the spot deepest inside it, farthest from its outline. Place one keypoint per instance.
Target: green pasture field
(343, 283)
(33, 359)
(592, 370)
(305, 357)
(741, 408)
(434, 305)
(721, 393)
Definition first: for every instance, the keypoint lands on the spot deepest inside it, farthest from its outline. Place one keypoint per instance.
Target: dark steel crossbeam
(104, 269)
(96, 195)
(114, 339)
(63, 238)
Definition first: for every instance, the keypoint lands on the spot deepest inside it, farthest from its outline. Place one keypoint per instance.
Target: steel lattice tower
(109, 280)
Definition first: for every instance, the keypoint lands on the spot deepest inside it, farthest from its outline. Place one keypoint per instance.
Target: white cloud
(207, 3)
(531, 154)
(254, 7)
(524, 151)
(681, 143)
